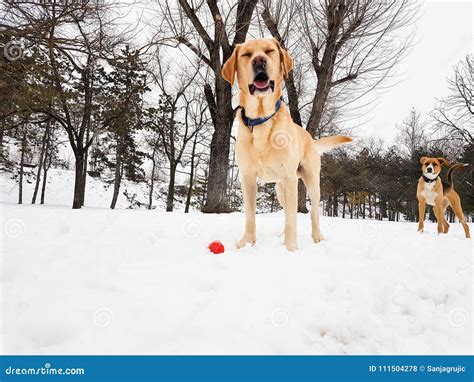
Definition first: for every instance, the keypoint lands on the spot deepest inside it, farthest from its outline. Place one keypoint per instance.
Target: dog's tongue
(261, 84)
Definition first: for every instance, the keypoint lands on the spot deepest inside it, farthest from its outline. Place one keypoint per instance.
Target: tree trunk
(170, 196)
(46, 163)
(302, 197)
(357, 207)
(335, 205)
(22, 162)
(191, 177)
(43, 187)
(79, 180)
(2, 134)
(344, 202)
(86, 158)
(204, 189)
(152, 180)
(40, 165)
(370, 206)
(353, 204)
(216, 201)
(117, 177)
(383, 208)
(313, 128)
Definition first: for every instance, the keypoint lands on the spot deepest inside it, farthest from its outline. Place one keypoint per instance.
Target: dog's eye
(269, 51)
(435, 164)
(246, 55)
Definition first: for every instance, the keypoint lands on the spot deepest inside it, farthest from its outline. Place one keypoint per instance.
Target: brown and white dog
(433, 191)
(270, 146)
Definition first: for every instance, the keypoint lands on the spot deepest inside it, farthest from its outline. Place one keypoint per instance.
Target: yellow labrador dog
(270, 145)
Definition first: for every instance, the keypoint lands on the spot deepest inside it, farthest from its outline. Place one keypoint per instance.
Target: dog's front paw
(291, 245)
(243, 242)
(318, 238)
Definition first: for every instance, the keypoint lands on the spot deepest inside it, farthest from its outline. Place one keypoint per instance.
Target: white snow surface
(60, 190)
(97, 281)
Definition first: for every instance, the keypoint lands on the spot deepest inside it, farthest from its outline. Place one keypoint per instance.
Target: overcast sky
(444, 33)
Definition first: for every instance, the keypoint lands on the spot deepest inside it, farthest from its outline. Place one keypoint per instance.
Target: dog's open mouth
(261, 83)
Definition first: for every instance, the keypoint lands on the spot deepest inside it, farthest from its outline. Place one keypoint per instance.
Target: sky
(444, 35)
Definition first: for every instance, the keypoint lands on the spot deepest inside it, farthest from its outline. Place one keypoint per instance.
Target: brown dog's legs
(249, 189)
(438, 211)
(455, 202)
(445, 222)
(290, 187)
(421, 215)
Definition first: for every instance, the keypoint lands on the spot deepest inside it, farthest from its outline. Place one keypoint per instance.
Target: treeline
(144, 100)
(381, 184)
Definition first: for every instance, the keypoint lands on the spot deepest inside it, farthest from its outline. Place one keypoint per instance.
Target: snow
(97, 281)
(60, 190)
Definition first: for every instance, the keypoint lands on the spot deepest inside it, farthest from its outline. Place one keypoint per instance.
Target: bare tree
(175, 133)
(348, 42)
(189, 24)
(74, 37)
(453, 115)
(411, 133)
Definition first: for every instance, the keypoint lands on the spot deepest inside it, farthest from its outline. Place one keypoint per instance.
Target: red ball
(216, 247)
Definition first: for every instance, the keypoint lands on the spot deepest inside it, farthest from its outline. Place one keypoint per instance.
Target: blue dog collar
(250, 123)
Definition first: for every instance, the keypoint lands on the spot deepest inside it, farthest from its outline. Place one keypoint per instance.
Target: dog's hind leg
(438, 211)
(445, 222)
(455, 202)
(311, 180)
(280, 191)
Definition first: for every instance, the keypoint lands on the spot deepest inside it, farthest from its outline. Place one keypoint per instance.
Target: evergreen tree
(124, 87)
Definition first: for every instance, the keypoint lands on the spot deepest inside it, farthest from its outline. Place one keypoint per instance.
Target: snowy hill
(97, 281)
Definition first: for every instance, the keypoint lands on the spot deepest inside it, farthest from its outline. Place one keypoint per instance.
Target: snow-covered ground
(60, 190)
(96, 281)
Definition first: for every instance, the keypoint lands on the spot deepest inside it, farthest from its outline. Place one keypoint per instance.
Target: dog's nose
(259, 62)
(429, 169)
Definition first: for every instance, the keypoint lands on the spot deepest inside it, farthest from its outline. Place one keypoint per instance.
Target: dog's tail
(451, 169)
(328, 143)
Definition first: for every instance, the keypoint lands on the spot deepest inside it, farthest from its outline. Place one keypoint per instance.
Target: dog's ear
(230, 66)
(285, 58)
(423, 160)
(444, 161)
